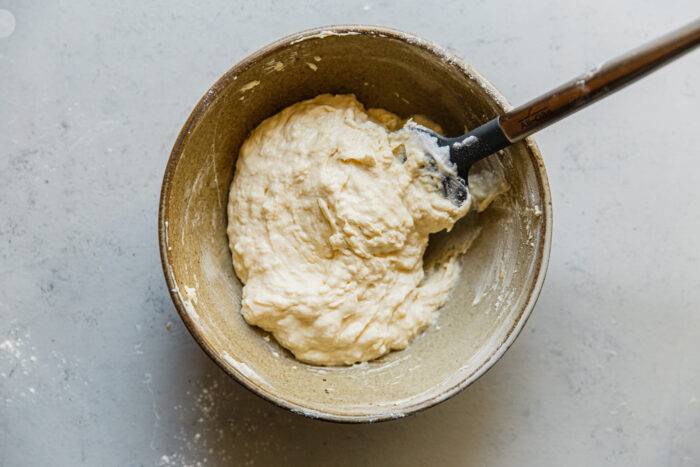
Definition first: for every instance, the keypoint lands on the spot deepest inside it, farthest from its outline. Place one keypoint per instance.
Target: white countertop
(96, 367)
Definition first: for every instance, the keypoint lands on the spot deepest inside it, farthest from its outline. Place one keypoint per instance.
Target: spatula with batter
(509, 128)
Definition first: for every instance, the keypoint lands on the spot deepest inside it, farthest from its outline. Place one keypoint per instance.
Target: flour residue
(250, 85)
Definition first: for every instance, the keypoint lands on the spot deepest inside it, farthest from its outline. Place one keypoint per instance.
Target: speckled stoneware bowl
(503, 270)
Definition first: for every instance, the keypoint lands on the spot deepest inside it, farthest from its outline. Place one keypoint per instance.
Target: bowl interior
(502, 270)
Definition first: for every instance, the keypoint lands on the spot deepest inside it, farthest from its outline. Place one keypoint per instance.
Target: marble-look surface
(95, 365)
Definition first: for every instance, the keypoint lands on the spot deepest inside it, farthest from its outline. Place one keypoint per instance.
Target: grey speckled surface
(91, 99)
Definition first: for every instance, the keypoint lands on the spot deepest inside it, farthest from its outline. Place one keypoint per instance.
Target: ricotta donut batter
(328, 218)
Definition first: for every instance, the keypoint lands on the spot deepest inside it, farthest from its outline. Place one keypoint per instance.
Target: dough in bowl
(329, 214)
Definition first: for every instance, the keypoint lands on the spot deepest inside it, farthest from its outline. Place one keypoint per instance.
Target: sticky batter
(329, 215)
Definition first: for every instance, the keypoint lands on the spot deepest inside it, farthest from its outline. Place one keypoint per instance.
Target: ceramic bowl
(503, 270)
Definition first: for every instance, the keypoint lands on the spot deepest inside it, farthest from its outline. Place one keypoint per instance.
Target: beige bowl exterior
(502, 273)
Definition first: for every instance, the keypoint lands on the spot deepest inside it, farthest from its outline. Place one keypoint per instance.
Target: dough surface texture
(328, 218)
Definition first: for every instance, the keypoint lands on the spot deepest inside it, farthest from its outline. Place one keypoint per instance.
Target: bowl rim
(209, 97)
